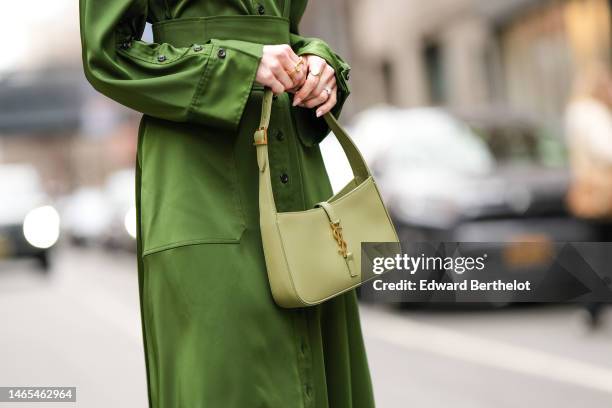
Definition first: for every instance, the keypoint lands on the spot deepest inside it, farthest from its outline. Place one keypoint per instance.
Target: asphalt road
(80, 327)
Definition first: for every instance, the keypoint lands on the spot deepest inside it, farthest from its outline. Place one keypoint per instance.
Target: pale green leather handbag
(314, 255)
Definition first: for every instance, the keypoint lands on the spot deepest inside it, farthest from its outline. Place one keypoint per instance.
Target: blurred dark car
(491, 183)
(29, 225)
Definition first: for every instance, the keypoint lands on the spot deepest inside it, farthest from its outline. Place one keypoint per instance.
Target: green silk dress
(213, 336)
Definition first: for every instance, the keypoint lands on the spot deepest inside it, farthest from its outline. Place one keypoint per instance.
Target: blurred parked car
(86, 216)
(119, 190)
(444, 181)
(29, 225)
(104, 216)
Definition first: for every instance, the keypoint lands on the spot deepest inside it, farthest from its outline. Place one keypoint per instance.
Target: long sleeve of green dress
(182, 83)
(178, 84)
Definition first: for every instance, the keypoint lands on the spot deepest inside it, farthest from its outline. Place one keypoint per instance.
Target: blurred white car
(120, 191)
(86, 216)
(434, 170)
(29, 224)
(104, 216)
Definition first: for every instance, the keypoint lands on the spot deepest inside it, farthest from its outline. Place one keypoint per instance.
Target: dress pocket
(189, 186)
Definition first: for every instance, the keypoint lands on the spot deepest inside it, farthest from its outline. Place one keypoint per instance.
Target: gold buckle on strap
(263, 140)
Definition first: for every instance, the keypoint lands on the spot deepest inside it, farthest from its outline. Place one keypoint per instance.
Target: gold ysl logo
(337, 234)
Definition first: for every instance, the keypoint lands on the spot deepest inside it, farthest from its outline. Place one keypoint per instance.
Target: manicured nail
(319, 113)
(296, 101)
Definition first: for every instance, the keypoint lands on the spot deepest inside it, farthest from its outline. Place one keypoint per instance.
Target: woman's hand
(280, 69)
(319, 89)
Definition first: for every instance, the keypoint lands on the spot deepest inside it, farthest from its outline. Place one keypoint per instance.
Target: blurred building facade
(49, 115)
(491, 55)
(494, 56)
(52, 119)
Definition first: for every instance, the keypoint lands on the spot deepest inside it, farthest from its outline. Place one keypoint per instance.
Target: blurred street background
(483, 120)
(80, 327)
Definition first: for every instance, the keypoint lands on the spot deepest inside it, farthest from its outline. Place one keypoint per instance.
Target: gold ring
(297, 66)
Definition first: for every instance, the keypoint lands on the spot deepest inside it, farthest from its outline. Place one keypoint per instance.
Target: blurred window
(388, 82)
(512, 145)
(434, 64)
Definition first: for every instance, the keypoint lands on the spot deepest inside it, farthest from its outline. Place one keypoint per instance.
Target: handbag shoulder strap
(261, 134)
(360, 169)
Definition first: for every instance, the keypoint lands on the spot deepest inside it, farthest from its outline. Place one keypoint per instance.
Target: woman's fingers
(310, 76)
(294, 67)
(316, 66)
(329, 104)
(328, 80)
(321, 94)
(305, 91)
(316, 100)
(290, 58)
(280, 73)
(268, 79)
(277, 68)
(299, 78)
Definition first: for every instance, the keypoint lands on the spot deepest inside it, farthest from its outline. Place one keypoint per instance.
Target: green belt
(184, 32)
